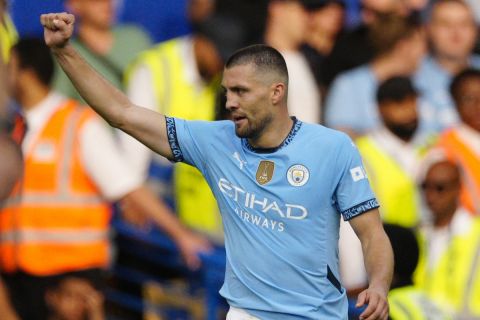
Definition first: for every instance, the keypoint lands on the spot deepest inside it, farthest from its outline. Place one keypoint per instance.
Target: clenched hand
(58, 28)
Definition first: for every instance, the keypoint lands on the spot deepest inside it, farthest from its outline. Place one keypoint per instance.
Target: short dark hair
(459, 79)
(265, 58)
(396, 89)
(405, 252)
(34, 54)
(389, 29)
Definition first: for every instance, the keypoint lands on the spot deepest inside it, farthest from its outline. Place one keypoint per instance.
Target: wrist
(59, 50)
(380, 288)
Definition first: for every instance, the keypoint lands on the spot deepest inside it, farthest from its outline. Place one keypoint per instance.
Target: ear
(278, 93)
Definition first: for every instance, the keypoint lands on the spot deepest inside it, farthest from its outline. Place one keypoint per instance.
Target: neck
(452, 65)
(32, 96)
(274, 134)
(386, 66)
(276, 37)
(445, 219)
(99, 40)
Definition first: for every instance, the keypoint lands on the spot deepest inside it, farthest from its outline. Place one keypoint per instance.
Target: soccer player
(280, 184)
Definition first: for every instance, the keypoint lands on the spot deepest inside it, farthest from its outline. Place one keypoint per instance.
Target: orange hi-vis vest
(469, 163)
(55, 220)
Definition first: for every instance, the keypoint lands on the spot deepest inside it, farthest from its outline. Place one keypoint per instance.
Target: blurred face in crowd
(441, 190)
(411, 50)
(207, 57)
(452, 30)
(400, 117)
(467, 101)
(73, 299)
(95, 13)
(251, 99)
(199, 10)
(328, 19)
(292, 17)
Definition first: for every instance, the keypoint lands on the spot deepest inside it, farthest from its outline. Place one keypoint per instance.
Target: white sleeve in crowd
(105, 163)
(140, 90)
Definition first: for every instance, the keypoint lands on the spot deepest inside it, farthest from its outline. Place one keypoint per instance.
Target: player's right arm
(143, 124)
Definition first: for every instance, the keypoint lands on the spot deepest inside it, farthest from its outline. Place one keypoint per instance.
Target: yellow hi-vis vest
(8, 37)
(394, 189)
(411, 303)
(176, 97)
(455, 279)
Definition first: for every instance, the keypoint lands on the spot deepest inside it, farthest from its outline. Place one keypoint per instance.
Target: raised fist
(58, 28)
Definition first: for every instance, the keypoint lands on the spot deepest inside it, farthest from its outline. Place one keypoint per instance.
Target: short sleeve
(189, 140)
(353, 194)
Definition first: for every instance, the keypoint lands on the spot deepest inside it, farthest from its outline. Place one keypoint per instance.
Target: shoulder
(325, 136)
(224, 128)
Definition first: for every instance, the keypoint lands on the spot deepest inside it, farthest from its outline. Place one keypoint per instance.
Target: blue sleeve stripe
(172, 139)
(359, 209)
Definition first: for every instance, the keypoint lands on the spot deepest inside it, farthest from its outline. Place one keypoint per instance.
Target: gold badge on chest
(265, 171)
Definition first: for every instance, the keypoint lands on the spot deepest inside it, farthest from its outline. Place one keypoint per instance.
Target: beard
(404, 131)
(253, 130)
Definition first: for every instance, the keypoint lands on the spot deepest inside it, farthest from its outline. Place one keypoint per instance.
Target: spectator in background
(452, 34)
(354, 47)
(10, 172)
(74, 297)
(462, 143)
(399, 45)
(286, 30)
(326, 19)
(57, 220)
(106, 46)
(10, 167)
(249, 14)
(392, 153)
(179, 77)
(450, 246)
(405, 300)
(8, 33)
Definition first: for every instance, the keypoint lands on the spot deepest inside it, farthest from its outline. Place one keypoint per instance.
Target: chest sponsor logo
(298, 175)
(265, 171)
(248, 200)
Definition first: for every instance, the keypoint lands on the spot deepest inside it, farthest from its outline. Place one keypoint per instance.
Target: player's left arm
(378, 256)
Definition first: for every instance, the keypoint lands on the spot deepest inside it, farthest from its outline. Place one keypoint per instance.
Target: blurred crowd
(400, 77)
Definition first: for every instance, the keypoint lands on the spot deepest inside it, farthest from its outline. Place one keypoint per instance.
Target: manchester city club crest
(297, 175)
(265, 171)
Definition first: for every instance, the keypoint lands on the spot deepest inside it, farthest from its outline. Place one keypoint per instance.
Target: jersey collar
(293, 132)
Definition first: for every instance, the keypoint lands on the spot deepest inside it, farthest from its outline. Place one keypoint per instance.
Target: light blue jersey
(281, 212)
